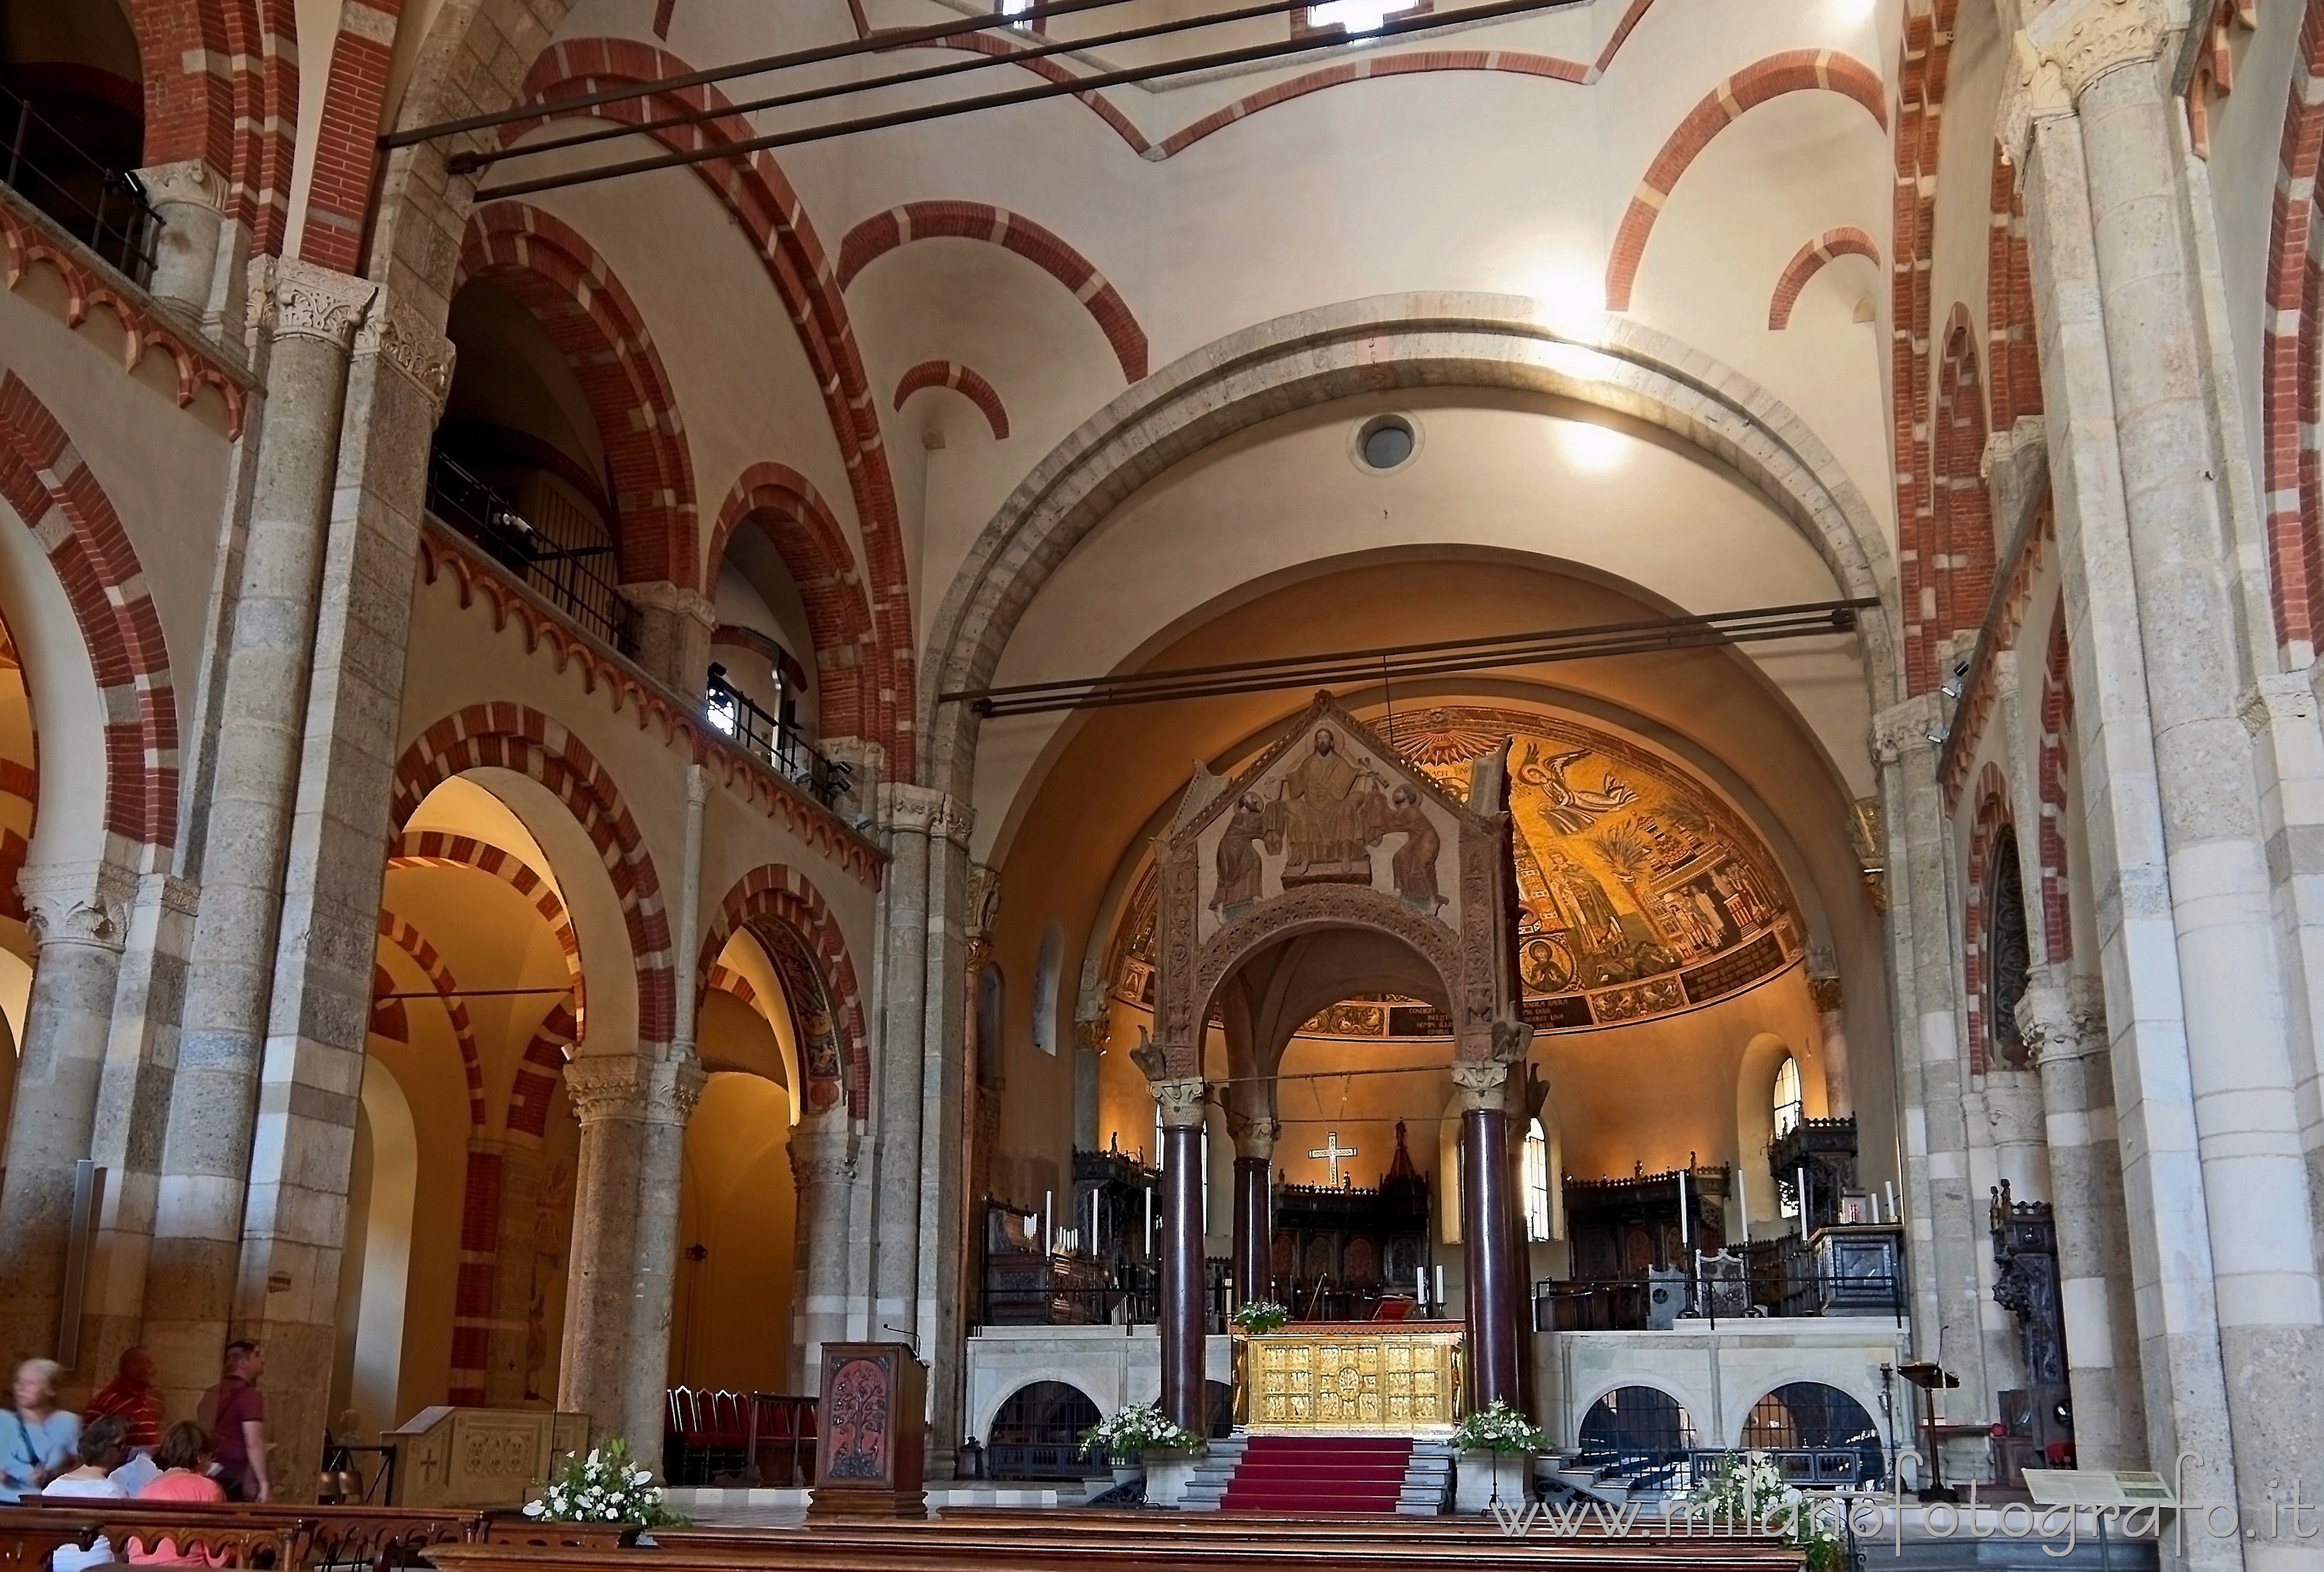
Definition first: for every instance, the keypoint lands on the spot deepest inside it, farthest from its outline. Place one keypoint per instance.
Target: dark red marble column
(1254, 1231)
(1181, 1274)
(1487, 1254)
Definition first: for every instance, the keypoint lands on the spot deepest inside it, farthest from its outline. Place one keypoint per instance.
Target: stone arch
(430, 961)
(1361, 347)
(1807, 261)
(540, 1071)
(438, 849)
(41, 474)
(2292, 358)
(1805, 1373)
(1660, 1385)
(222, 89)
(781, 907)
(980, 221)
(573, 292)
(1310, 907)
(1924, 58)
(785, 504)
(981, 1424)
(527, 743)
(966, 380)
(1792, 72)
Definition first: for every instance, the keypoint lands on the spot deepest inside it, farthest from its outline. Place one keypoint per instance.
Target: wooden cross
(1331, 1151)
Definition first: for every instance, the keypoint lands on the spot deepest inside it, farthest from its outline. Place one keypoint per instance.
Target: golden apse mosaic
(1643, 892)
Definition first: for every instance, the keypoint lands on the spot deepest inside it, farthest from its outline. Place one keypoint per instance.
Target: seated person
(184, 1457)
(102, 1448)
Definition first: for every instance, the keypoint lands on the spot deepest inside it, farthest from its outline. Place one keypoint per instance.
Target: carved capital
(981, 905)
(397, 334)
(2033, 91)
(1826, 992)
(1481, 1086)
(605, 1086)
(1181, 1101)
(2081, 40)
(2068, 1022)
(187, 183)
(305, 301)
(673, 1090)
(1916, 726)
(1254, 1138)
(77, 903)
(822, 1156)
(669, 600)
(926, 810)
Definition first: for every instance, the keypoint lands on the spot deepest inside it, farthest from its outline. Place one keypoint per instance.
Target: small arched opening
(1037, 1433)
(1817, 1421)
(1636, 1427)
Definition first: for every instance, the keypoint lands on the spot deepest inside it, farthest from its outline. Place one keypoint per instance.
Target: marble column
(1254, 1213)
(673, 634)
(1832, 1022)
(822, 1171)
(2215, 1176)
(1486, 1230)
(938, 1314)
(309, 319)
(2064, 1028)
(609, 1093)
(906, 813)
(1181, 1328)
(77, 912)
(673, 1087)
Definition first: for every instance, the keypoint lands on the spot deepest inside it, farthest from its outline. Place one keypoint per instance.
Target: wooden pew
(288, 1536)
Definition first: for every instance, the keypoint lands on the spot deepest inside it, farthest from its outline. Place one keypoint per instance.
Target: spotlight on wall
(1936, 734)
(1591, 448)
(1953, 686)
(1572, 299)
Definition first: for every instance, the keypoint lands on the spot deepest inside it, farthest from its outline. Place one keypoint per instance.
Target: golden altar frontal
(1400, 1378)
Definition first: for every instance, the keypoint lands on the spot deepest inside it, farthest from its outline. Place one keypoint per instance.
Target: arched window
(1808, 1415)
(1536, 1183)
(1046, 968)
(2009, 958)
(1637, 1424)
(991, 997)
(1786, 1101)
(1037, 1434)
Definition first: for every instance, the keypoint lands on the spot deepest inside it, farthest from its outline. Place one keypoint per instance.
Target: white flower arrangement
(1498, 1429)
(1261, 1315)
(605, 1487)
(1139, 1427)
(1749, 1491)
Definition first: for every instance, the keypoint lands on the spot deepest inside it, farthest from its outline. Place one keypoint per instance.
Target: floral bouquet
(1750, 1490)
(605, 1487)
(1139, 1427)
(1261, 1315)
(1500, 1429)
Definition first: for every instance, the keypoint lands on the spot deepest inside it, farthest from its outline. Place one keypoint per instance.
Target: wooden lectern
(874, 1433)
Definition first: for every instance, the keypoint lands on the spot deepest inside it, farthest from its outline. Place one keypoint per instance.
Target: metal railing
(774, 741)
(1779, 1290)
(575, 576)
(1136, 1302)
(1809, 1468)
(103, 208)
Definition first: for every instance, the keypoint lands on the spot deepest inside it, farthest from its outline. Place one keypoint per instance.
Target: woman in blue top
(36, 1435)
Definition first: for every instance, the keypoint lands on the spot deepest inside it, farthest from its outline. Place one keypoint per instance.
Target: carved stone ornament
(1904, 728)
(1512, 1040)
(1254, 1138)
(980, 908)
(673, 1091)
(397, 334)
(1181, 1101)
(822, 1156)
(187, 181)
(312, 302)
(77, 903)
(605, 1086)
(2082, 41)
(1481, 1086)
(1826, 993)
(926, 810)
(2067, 1022)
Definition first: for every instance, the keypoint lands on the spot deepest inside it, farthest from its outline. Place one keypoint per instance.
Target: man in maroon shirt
(234, 1412)
(130, 1398)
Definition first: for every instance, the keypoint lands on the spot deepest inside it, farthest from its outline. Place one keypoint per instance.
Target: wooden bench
(245, 1534)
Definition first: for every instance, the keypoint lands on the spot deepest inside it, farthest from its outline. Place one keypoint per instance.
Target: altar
(1401, 1378)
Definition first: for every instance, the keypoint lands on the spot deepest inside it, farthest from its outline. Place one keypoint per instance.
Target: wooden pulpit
(874, 1436)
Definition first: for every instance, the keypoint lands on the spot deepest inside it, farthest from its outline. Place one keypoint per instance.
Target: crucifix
(1331, 1151)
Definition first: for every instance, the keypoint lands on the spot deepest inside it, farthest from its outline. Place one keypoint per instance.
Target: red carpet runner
(1301, 1475)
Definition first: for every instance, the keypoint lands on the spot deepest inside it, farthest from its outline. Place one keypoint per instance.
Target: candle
(1420, 1290)
(1743, 1205)
(1149, 1220)
(1685, 1233)
(1440, 1288)
(1802, 1184)
(1890, 1186)
(1049, 1232)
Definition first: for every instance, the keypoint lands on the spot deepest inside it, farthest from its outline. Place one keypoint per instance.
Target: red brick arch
(1792, 72)
(1948, 583)
(786, 898)
(2013, 362)
(2050, 785)
(572, 291)
(899, 227)
(2292, 358)
(965, 381)
(52, 490)
(1809, 261)
(785, 505)
(1992, 818)
(514, 737)
(1923, 70)
(438, 849)
(430, 961)
(222, 88)
(759, 196)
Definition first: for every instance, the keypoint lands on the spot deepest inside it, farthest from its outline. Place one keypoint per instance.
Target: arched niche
(381, 1192)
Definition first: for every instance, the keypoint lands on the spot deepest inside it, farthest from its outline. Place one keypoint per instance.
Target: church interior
(1322, 714)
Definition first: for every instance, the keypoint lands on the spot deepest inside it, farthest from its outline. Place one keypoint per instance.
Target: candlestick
(1048, 1232)
(1802, 1185)
(1420, 1288)
(1743, 1205)
(1440, 1288)
(1149, 1220)
(1685, 1233)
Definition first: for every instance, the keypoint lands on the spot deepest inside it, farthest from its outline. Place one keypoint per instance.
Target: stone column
(1831, 1020)
(1944, 1217)
(1485, 1234)
(2064, 1027)
(609, 1094)
(309, 318)
(2192, 959)
(77, 912)
(944, 1090)
(195, 278)
(673, 1087)
(908, 812)
(823, 1171)
(1181, 1328)
(673, 630)
(1254, 1217)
